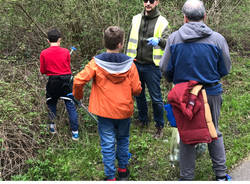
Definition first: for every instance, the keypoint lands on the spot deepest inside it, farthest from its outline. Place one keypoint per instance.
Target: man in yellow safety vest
(146, 43)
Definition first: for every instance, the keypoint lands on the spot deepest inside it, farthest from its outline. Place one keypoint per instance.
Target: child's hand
(77, 92)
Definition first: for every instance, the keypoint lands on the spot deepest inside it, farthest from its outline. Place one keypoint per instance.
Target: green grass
(68, 160)
(236, 114)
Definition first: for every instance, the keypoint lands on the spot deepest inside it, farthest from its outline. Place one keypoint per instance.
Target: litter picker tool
(72, 50)
(86, 109)
(78, 102)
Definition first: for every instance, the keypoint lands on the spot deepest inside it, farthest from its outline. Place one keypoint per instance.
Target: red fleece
(55, 60)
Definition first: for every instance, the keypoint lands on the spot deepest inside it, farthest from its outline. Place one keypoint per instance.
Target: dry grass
(20, 124)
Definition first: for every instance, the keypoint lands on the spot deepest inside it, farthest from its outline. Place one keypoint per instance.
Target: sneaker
(182, 179)
(75, 135)
(224, 178)
(106, 179)
(123, 174)
(52, 128)
(159, 133)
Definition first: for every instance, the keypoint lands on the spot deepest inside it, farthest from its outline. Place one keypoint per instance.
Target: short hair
(113, 35)
(53, 35)
(194, 10)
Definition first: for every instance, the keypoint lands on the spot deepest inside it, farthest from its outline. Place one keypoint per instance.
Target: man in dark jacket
(146, 43)
(195, 52)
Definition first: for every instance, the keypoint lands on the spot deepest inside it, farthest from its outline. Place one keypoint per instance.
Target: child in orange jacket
(115, 82)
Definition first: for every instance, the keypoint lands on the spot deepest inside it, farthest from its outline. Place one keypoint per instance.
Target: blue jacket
(195, 52)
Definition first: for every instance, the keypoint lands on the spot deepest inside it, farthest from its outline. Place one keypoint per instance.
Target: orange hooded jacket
(113, 87)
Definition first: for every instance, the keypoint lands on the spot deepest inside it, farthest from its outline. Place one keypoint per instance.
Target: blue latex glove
(153, 41)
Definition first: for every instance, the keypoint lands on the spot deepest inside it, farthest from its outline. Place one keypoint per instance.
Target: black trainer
(224, 178)
(159, 133)
(141, 124)
(123, 176)
(106, 179)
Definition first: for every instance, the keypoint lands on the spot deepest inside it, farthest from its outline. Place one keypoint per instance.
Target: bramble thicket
(29, 152)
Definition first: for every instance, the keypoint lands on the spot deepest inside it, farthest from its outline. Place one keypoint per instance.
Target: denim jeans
(114, 140)
(150, 75)
(71, 109)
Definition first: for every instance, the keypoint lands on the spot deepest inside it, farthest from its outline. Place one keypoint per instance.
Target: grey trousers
(216, 147)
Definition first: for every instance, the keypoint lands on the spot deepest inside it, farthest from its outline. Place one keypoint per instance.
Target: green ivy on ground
(150, 158)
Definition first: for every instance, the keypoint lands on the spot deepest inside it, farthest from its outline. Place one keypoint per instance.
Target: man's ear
(157, 2)
(205, 18)
(185, 19)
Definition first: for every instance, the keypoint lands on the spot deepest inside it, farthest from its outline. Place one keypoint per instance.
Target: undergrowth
(65, 159)
(29, 152)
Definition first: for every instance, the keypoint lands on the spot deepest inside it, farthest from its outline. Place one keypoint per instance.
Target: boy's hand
(77, 92)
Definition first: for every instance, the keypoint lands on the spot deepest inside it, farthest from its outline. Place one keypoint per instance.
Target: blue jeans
(151, 76)
(71, 109)
(114, 139)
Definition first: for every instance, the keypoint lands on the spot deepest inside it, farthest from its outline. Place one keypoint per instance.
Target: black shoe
(144, 125)
(123, 176)
(159, 133)
(106, 179)
(223, 178)
(141, 124)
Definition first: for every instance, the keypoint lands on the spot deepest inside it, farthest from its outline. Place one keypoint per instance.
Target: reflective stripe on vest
(134, 34)
(160, 25)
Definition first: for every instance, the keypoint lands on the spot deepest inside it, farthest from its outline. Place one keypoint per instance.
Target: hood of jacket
(193, 31)
(115, 66)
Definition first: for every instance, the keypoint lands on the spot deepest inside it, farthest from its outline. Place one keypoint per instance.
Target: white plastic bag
(200, 149)
(174, 156)
(174, 147)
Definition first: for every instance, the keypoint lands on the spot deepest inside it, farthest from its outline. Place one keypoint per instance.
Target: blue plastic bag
(170, 115)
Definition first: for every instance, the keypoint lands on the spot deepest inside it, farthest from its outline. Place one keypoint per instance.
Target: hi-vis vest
(160, 25)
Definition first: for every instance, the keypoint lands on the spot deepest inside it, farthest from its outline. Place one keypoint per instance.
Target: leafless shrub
(20, 131)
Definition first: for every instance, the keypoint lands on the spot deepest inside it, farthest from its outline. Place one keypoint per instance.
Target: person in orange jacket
(115, 82)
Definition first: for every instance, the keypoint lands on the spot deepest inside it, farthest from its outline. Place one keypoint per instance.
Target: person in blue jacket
(196, 52)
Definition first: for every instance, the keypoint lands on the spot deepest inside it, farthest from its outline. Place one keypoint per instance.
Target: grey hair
(194, 10)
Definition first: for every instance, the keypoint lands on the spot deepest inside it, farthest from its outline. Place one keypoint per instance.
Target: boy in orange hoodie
(115, 82)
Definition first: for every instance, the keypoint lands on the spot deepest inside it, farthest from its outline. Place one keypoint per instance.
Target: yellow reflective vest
(160, 25)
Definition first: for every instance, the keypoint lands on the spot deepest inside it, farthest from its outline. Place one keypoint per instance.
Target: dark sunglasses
(151, 1)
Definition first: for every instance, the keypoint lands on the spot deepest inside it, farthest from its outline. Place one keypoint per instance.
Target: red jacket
(191, 123)
(55, 60)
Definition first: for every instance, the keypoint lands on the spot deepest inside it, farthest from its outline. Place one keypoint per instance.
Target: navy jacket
(195, 52)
